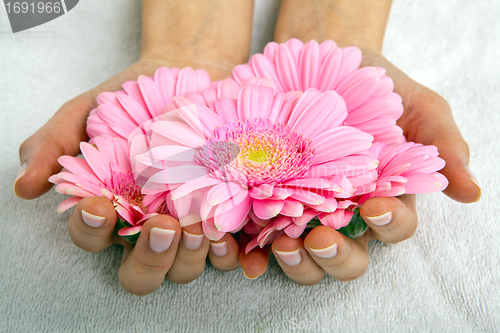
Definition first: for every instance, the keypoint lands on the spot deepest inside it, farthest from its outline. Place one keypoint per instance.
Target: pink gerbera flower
(106, 171)
(265, 154)
(121, 112)
(371, 103)
(410, 168)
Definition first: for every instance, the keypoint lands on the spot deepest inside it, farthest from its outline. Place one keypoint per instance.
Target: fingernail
(21, 173)
(92, 220)
(160, 239)
(191, 242)
(474, 180)
(249, 277)
(381, 219)
(326, 253)
(219, 249)
(290, 258)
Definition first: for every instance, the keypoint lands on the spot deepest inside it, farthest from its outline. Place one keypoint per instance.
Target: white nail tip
(92, 220)
(248, 277)
(191, 242)
(326, 253)
(219, 249)
(21, 172)
(381, 219)
(292, 258)
(160, 239)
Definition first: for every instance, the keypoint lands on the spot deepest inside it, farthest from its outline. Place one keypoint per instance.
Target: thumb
(463, 186)
(61, 135)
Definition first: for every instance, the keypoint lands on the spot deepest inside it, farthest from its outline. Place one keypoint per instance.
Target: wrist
(358, 23)
(202, 33)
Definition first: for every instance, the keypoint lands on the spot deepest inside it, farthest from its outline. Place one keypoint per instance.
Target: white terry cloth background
(445, 278)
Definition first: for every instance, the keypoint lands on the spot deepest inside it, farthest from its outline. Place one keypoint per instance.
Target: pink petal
(261, 192)
(177, 132)
(309, 64)
(96, 162)
(151, 94)
(330, 70)
(211, 231)
(339, 142)
(329, 206)
(308, 215)
(255, 102)
(307, 197)
(266, 209)
(316, 112)
(286, 67)
(292, 208)
(222, 192)
(228, 216)
(316, 183)
(67, 204)
(425, 183)
(193, 185)
(294, 231)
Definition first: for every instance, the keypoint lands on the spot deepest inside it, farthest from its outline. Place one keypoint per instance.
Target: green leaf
(120, 224)
(356, 226)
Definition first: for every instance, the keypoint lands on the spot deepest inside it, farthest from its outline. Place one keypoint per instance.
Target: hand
(173, 35)
(427, 119)
(163, 249)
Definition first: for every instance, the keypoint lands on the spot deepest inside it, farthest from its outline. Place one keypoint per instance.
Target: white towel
(445, 278)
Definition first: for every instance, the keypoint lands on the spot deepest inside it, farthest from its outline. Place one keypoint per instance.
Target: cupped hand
(427, 119)
(146, 264)
(164, 249)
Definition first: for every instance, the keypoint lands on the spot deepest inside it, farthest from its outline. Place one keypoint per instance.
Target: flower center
(257, 152)
(124, 185)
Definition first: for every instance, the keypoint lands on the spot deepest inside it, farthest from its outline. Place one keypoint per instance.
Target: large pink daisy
(106, 171)
(368, 93)
(410, 168)
(264, 153)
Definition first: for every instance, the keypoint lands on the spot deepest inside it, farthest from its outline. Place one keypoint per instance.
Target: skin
(196, 35)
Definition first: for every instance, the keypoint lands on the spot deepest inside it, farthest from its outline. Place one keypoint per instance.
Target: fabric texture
(446, 278)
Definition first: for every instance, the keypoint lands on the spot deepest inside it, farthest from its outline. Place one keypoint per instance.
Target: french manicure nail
(92, 220)
(160, 239)
(381, 219)
(292, 258)
(474, 180)
(191, 241)
(219, 249)
(326, 253)
(248, 277)
(21, 172)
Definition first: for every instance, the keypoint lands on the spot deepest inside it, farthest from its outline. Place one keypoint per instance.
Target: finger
(428, 119)
(91, 225)
(223, 254)
(191, 255)
(61, 135)
(464, 186)
(255, 262)
(144, 270)
(392, 220)
(295, 261)
(340, 257)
